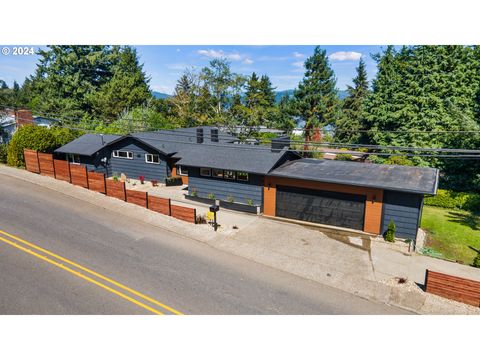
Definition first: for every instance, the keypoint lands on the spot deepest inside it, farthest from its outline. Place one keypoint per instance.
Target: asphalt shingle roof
(250, 158)
(87, 144)
(412, 179)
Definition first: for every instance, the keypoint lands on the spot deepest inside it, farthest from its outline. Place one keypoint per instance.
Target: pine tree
(267, 91)
(316, 100)
(353, 108)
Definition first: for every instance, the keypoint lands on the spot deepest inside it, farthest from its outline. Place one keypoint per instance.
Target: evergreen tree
(267, 91)
(353, 108)
(316, 100)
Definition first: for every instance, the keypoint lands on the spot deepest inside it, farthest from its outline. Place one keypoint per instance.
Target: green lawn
(454, 233)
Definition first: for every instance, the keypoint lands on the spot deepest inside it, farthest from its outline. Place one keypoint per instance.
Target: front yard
(453, 233)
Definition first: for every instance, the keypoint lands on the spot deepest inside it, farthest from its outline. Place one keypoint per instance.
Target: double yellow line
(48, 258)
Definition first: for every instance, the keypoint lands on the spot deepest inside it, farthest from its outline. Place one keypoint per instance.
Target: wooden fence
(31, 160)
(184, 213)
(453, 287)
(139, 198)
(96, 182)
(116, 189)
(46, 164)
(160, 205)
(78, 175)
(62, 170)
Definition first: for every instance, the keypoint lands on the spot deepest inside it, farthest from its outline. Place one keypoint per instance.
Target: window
(205, 172)
(73, 158)
(217, 173)
(227, 174)
(242, 176)
(182, 170)
(152, 158)
(122, 154)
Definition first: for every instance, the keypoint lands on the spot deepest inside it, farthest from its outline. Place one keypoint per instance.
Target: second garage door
(324, 207)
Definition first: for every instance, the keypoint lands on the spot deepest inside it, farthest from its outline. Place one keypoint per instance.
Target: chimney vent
(199, 135)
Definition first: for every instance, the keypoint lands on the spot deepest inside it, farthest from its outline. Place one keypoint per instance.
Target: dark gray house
(276, 180)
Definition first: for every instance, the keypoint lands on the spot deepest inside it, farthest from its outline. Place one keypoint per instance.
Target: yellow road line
(145, 297)
(42, 257)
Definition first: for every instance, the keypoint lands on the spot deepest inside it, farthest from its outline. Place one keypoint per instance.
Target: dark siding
(241, 191)
(133, 168)
(405, 210)
(93, 163)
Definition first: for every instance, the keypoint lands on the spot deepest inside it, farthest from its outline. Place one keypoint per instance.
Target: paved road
(59, 255)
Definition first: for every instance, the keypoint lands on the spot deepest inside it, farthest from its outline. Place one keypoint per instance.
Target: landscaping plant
(211, 196)
(250, 202)
(230, 199)
(194, 192)
(3, 153)
(142, 179)
(476, 261)
(390, 233)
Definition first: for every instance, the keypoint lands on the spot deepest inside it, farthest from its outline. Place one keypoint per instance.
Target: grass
(453, 233)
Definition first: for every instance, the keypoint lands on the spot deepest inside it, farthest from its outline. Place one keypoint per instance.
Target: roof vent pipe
(214, 135)
(199, 135)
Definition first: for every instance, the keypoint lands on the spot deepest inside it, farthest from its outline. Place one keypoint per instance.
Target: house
(273, 179)
(11, 120)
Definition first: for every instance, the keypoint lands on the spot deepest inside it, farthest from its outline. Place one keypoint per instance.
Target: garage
(324, 207)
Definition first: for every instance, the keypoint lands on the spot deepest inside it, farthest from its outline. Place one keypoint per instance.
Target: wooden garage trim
(373, 202)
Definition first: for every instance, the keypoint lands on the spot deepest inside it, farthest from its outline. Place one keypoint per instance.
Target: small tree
(390, 233)
(476, 261)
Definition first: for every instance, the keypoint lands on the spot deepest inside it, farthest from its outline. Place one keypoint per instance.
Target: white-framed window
(122, 154)
(152, 158)
(182, 170)
(73, 158)
(230, 175)
(217, 173)
(242, 176)
(205, 172)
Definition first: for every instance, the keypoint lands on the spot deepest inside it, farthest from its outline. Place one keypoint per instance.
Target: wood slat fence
(76, 174)
(453, 287)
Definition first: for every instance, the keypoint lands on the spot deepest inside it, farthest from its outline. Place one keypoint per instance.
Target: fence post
(105, 184)
(124, 192)
(195, 216)
(169, 207)
(86, 175)
(146, 199)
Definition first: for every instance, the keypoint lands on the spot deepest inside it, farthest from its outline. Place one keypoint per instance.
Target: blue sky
(164, 64)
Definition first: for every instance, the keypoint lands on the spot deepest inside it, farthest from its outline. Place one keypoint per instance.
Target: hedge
(3, 153)
(455, 200)
(36, 138)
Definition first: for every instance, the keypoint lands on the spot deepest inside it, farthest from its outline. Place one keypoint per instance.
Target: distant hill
(342, 94)
(159, 95)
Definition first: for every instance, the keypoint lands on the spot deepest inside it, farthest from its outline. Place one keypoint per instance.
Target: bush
(455, 200)
(37, 138)
(390, 233)
(399, 160)
(3, 153)
(230, 199)
(344, 157)
(476, 261)
(173, 181)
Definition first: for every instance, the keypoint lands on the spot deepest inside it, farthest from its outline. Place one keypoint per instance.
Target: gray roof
(88, 144)
(412, 179)
(172, 141)
(250, 158)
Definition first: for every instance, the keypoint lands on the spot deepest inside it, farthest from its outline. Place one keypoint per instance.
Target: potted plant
(194, 192)
(115, 177)
(142, 179)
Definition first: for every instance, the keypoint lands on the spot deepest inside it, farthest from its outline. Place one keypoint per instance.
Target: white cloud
(235, 56)
(248, 61)
(298, 55)
(298, 66)
(345, 56)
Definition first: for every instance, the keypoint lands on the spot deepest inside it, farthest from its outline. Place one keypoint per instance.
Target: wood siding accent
(453, 287)
(96, 182)
(373, 202)
(184, 178)
(31, 160)
(116, 189)
(160, 205)
(79, 175)
(46, 164)
(137, 197)
(184, 213)
(62, 170)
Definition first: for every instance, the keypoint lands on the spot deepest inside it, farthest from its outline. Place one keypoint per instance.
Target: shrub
(476, 261)
(230, 199)
(390, 233)
(173, 181)
(3, 153)
(194, 192)
(115, 177)
(399, 160)
(455, 200)
(37, 138)
(250, 202)
(211, 196)
(344, 157)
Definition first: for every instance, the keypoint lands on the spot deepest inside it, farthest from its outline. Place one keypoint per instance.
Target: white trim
(182, 171)
(115, 154)
(152, 162)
